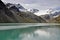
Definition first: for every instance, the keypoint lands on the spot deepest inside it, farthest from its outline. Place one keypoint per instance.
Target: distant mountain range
(53, 13)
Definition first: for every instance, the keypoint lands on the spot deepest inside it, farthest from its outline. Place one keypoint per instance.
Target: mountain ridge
(11, 15)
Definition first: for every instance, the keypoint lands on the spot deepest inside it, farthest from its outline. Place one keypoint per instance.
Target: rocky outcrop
(6, 16)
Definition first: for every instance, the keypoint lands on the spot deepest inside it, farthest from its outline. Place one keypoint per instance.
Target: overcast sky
(38, 4)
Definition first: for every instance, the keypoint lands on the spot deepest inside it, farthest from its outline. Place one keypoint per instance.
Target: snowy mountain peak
(33, 10)
(53, 10)
(18, 6)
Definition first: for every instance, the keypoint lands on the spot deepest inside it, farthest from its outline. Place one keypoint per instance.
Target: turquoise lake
(31, 33)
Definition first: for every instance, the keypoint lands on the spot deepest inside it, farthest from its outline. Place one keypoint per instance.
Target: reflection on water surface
(31, 33)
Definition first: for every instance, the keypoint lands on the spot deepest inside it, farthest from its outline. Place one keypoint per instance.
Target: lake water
(31, 33)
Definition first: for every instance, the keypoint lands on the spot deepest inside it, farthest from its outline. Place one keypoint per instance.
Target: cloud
(39, 4)
(35, 1)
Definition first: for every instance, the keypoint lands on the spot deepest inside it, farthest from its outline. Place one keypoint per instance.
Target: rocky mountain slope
(13, 15)
(55, 20)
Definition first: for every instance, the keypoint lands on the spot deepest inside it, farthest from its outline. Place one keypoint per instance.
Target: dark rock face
(5, 15)
(3, 8)
(1, 5)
